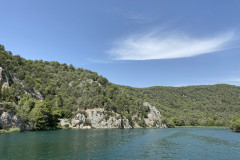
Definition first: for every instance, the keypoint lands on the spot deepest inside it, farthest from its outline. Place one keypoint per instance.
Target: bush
(10, 130)
(170, 124)
(66, 126)
(236, 125)
(87, 123)
(66, 113)
(14, 130)
(220, 123)
(178, 121)
(8, 106)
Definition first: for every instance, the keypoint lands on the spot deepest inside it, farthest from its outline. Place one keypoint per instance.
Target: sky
(138, 43)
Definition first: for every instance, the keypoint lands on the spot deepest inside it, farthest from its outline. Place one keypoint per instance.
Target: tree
(210, 121)
(39, 117)
(178, 121)
(8, 94)
(56, 113)
(59, 100)
(24, 107)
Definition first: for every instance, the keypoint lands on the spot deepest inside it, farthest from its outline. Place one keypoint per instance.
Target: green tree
(39, 117)
(56, 113)
(59, 100)
(24, 107)
(210, 121)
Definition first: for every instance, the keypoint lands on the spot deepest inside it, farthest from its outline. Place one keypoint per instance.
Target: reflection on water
(179, 143)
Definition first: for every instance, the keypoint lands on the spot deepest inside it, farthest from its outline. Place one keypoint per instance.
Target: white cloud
(157, 45)
(233, 80)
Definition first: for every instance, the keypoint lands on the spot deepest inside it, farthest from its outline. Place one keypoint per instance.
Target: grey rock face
(78, 120)
(96, 118)
(3, 78)
(99, 118)
(10, 120)
(154, 117)
(64, 122)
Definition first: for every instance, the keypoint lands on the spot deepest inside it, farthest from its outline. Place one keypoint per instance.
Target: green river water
(104, 144)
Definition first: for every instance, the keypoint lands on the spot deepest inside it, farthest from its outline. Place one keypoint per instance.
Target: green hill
(41, 92)
(205, 105)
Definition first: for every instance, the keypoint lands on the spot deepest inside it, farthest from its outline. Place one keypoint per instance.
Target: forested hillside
(41, 92)
(60, 90)
(207, 105)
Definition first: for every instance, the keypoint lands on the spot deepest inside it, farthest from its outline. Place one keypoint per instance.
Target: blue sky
(138, 43)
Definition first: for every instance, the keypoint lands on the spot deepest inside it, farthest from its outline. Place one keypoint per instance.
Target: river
(104, 144)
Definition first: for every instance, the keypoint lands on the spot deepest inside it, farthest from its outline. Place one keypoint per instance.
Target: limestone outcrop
(96, 118)
(100, 118)
(154, 118)
(10, 120)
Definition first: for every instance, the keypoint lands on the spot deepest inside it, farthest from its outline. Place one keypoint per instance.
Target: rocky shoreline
(97, 118)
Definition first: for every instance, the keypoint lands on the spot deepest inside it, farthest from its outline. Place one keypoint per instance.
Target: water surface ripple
(178, 143)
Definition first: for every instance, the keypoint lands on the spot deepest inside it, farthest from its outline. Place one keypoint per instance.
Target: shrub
(8, 106)
(66, 126)
(14, 130)
(66, 113)
(170, 124)
(87, 123)
(236, 125)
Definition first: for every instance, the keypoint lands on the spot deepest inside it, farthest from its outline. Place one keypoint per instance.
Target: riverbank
(202, 127)
(91, 128)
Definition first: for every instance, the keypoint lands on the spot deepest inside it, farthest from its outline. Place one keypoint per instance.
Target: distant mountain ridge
(40, 93)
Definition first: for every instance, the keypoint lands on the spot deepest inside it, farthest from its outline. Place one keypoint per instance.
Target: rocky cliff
(9, 120)
(96, 118)
(85, 119)
(100, 118)
(154, 118)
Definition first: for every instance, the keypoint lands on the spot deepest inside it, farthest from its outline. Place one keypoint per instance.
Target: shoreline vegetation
(12, 130)
(235, 126)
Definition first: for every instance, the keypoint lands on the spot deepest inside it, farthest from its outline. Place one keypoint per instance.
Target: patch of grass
(10, 130)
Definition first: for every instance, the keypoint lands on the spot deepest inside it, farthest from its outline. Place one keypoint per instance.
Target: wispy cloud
(155, 45)
(99, 61)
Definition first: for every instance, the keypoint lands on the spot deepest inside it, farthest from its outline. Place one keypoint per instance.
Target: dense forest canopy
(41, 92)
(208, 105)
(63, 88)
